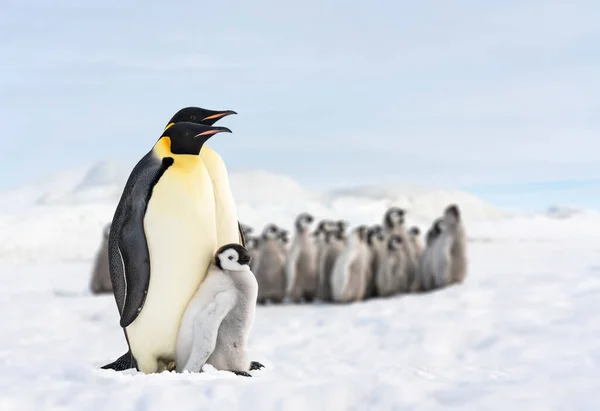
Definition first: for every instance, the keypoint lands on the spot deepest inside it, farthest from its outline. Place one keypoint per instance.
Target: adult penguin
(229, 230)
(162, 240)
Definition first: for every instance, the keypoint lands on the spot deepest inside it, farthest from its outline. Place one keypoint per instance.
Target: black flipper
(124, 362)
(242, 238)
(129, 258)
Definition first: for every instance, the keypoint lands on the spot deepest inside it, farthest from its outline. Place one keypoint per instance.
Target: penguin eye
(193, 117)
(230, 257)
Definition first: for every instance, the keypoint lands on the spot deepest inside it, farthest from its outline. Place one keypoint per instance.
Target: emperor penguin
(217, 322)
(335, 242)
(414, 234)
(448, 257)
(446, 260)
(428, 280)
(100, 282)
(300, 267)
(229, 230)
(392, 274)
(162, 240)
(321, 237)
(376, 246)
(270, 266)
(393, 223)
(349, 277)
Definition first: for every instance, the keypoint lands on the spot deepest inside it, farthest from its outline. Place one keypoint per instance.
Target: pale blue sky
(466, 93)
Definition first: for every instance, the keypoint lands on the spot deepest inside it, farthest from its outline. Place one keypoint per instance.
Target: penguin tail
(124, 362)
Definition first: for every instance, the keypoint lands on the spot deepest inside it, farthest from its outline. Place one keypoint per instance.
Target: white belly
(181, 235)
(226, 212)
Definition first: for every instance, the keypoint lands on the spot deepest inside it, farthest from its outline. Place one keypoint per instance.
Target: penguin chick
(300, 269)
(414, 234)
(393, 223)
(217, 322)
(392, 274)
(100, 282)
(348, 280)
(445, 259)
(458, 243)
(335, 242)
(270, 266)
(376, 246)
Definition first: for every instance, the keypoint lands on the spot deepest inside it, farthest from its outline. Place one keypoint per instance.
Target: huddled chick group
(333, 264)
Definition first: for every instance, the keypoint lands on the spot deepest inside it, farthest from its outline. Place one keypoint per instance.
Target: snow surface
(522, 333)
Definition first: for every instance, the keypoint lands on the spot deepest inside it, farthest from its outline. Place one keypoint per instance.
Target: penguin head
(414, 231)
(106, 231)
(199, 116)
(361, 232)
(394, 217)
(270, 232)
(438, 226)
(246, 229)
(252, 243)
(452, 215)
(283, 236)
(375, 233)
(394, 243)
(233, 257)
(303, 222)
(188, 138)
(341, 226)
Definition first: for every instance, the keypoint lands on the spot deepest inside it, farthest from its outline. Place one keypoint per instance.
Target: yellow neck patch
(162, 149)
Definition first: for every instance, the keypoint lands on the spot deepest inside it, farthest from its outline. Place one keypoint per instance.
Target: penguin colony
(331, 263)
(326, 262)
(176, 259)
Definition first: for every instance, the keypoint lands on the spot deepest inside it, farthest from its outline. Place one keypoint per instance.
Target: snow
(521, 333)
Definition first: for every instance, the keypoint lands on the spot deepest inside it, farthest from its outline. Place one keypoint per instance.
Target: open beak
(219, 115)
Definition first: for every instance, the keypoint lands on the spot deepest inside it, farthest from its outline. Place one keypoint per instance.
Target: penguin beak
(213, 131)
(218, 115)
(245, 259)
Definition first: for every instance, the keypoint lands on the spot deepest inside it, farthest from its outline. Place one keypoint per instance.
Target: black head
(375, 232)
(270, 232)
(362, 231)
(303, 222)
(414, 231)
(199, 115)
(283, 236)
(232, 257)
(342, 226)
(394, 217)
(437, 226)
(188, 138)
(453, 212)
(394, 243)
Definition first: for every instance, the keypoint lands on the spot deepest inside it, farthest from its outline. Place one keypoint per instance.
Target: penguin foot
(255, 365)
(242, 373)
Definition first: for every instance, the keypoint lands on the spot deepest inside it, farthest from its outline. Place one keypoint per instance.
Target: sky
(501, 98)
